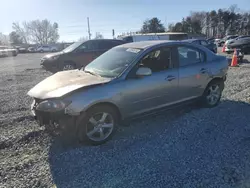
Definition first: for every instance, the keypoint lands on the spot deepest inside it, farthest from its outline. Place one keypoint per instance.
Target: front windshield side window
(72, 47)
(113, 62)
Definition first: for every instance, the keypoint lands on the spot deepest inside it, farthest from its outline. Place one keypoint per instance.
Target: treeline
(216, 23)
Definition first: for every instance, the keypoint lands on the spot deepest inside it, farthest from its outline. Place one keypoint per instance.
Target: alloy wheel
(213, 94)
(68, 67)
(100, 126)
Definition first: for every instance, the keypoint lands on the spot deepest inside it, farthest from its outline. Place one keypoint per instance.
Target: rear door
(193, 72)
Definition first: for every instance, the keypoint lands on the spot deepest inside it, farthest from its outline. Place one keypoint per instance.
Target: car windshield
(72, 47)
(113, 62)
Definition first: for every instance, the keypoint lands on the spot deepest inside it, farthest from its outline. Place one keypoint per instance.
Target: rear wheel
(14, 53)
(212, 94)
(98, 125)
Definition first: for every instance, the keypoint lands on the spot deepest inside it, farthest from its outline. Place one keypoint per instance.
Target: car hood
(63, 83)
(52, 54)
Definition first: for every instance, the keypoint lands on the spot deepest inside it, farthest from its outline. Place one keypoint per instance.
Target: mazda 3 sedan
(124, 82)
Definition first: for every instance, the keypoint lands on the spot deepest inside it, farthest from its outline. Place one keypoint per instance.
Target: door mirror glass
(143, 71)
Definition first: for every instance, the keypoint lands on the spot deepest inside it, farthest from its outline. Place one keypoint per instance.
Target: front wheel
(212, 94)
(68, 66)
(98, 125)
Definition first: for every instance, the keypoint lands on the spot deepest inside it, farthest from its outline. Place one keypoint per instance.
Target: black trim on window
(132, 72)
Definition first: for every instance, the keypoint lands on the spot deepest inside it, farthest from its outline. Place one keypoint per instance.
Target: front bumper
(52, 121)
(48, 65)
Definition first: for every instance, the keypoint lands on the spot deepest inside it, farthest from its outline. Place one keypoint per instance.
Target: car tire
(212, 94)
(97, 125)
(68, 66)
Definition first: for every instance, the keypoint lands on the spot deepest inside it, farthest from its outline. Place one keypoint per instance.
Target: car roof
(190, 40)
(148, 44)
(104, 40)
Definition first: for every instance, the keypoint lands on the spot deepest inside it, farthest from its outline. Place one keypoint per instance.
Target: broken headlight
(52, 105)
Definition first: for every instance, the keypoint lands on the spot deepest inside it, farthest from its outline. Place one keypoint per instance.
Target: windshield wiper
(91, 73)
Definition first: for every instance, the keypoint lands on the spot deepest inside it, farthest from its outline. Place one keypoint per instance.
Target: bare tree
(42, 32)
(15, 38)
(4, 39)
(38, 31)
(83, 38)
(21, 31)
(98, 35)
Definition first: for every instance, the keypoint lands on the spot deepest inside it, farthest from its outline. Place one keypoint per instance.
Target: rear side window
(190, 56)
(196, 42)
(90, 45)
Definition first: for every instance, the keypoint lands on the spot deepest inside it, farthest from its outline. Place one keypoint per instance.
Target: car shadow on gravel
(186, 147)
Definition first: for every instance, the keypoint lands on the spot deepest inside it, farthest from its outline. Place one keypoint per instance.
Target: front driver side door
(155, 91)
(84, 54)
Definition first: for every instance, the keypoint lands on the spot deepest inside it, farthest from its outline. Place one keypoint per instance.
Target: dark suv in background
(210, 45)
(78, 54)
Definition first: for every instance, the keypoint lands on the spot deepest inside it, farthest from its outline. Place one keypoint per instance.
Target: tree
(15, 38)
(42, 32)
(83, 39)
(153, 25)
(3, 39)
(178, 27)
(215, 23)
(37, 31)
(21, 31)
(98, 35)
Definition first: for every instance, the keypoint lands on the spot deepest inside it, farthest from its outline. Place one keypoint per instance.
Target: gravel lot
(186, 147)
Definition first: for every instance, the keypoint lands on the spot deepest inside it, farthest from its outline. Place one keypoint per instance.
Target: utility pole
(88, 28)
(113, 33)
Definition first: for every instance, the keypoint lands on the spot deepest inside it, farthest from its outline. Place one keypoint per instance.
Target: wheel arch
(216, 79)
(109, 104)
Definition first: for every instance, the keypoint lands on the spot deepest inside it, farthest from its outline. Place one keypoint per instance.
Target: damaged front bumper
(52, 121)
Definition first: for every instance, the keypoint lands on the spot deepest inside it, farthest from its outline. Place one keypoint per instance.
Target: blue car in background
(210, 45)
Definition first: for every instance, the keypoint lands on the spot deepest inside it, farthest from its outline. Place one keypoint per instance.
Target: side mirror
(143, 71)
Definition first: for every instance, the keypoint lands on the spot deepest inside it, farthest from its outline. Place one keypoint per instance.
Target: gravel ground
(186, 147)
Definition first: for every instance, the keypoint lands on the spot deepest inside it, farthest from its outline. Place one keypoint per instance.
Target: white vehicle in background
(216, 41)
(154, 36)
(46, 48)
(230, 50)
(6, 51)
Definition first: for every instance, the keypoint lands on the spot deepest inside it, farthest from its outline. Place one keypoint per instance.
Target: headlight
(54, 57)
(52, 105)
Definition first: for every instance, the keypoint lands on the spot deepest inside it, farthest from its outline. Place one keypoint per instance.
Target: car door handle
(203, 71)
(170, 78)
